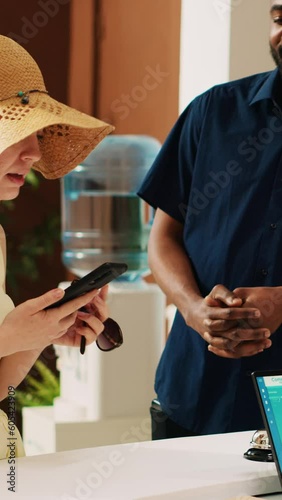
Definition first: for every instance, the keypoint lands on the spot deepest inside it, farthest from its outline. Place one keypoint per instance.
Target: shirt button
(264, 272)
(273, 226)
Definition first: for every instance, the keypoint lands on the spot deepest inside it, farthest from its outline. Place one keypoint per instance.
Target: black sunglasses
(110, 338)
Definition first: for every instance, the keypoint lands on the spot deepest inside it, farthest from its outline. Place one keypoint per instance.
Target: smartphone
(92, 281)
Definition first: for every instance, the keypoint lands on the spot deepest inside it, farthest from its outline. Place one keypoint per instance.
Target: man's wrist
(189, 306)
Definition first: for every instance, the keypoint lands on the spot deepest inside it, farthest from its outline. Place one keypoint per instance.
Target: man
(215, 250)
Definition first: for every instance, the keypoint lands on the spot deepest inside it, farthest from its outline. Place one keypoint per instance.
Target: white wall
(249, 47)
(221, 40)
(204, 53)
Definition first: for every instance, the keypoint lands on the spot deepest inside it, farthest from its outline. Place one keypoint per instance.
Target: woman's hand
(88, 323)
(29, 326)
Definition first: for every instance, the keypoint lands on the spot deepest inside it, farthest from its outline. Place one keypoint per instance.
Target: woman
(38, 132)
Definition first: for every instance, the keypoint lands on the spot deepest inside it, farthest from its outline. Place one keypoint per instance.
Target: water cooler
(105, 396)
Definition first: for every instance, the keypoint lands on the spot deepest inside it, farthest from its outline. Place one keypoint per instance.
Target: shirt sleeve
(168, 182)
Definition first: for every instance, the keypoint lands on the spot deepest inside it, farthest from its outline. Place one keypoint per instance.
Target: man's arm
(173, 272)
(170, 265)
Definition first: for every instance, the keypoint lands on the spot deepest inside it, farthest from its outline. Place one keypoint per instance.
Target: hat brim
(67, 136)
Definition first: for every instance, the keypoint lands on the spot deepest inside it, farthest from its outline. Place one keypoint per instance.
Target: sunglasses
(110, 338)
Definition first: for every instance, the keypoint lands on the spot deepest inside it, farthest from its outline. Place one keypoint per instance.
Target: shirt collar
(268, 88)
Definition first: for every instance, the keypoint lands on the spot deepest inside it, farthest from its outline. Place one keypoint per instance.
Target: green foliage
(32, 179)
(24, 255)
(40, 242)
(39, 391)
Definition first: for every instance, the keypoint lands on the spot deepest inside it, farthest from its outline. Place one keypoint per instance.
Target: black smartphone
(95, 279)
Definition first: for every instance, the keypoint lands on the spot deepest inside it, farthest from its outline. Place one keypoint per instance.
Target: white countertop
(206, 467)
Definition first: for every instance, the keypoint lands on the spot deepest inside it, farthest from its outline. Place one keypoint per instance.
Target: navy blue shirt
(220, 174)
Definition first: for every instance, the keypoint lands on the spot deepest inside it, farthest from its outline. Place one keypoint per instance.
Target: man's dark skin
(268, 300)
(234, 323)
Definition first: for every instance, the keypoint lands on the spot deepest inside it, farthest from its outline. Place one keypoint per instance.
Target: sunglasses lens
(111, 337)
(104, 344)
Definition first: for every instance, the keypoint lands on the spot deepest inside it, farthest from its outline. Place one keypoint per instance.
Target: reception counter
(206, 467)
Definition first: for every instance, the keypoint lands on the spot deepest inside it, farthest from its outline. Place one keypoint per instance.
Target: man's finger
(228, 339)
(222, 294)
(236, 313)
(219, 325)
(243, 349)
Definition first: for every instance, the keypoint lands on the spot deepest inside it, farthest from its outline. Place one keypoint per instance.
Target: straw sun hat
(67, 137)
